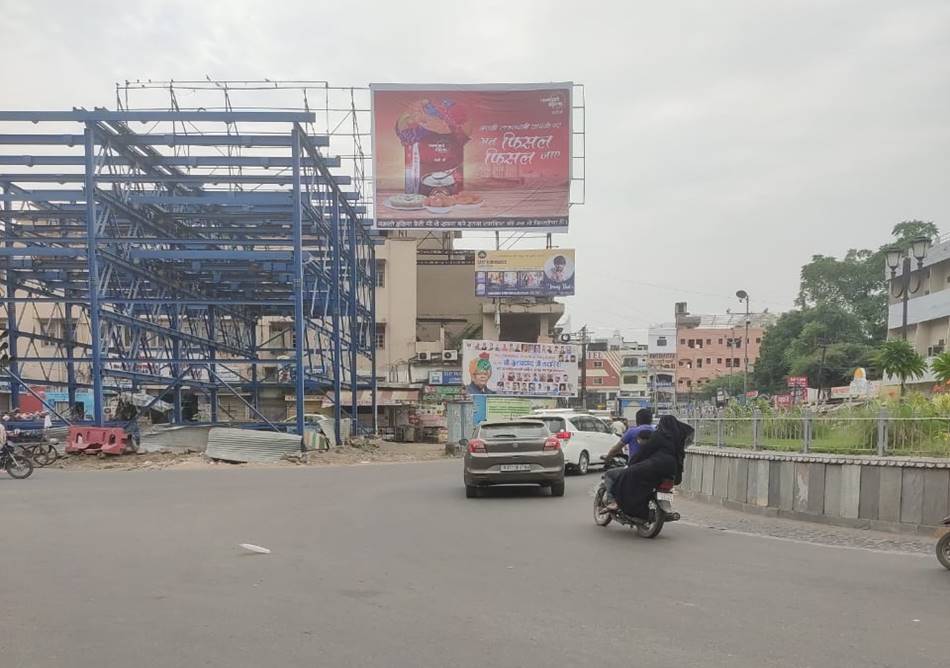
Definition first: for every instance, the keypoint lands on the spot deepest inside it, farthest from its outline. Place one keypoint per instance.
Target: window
(54, 328)
(728, 362)
(699, 363)
(720, 342)
(758, 339)
(735, 362)
(680, 381)
(689, 364)
(381, 335)
(380, 273)
(708, 342)
(692, 343)
(598, 381)
(737, 343)
(282, 336)
(555, 424)
(630, 361)
(682, 342)
(661, 341)
(718, 360)
(631, 380)
(598, 364)
(513, 430)
(709, 360)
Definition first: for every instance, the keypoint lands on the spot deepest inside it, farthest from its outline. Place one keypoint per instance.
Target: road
(389, 565)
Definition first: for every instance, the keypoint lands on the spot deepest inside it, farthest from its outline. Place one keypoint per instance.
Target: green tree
(731, 384)
(898, 358)
(857, 281)
(940, 365)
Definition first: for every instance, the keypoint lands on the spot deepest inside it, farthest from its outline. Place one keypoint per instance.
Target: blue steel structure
(174, 246)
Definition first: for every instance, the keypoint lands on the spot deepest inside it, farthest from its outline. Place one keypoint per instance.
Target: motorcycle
(661, 506)
(943, 546)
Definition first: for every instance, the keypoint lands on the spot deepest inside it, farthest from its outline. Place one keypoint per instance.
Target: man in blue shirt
(644, 425)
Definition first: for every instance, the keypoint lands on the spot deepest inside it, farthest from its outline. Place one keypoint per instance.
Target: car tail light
(564, 435)
(476, 445)
(552, 443)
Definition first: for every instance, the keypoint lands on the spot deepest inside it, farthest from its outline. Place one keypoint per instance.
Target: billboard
(445, 377)
(460, 157)
(520, 369)
(546, 272)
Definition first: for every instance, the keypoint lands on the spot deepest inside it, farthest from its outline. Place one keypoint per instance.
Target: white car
(585, 438)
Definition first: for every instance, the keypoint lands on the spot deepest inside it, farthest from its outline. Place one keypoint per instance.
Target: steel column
(175, 322)
(11, 308)
(212, 354)
(354, 318)
(335, 291)
(372, 338)
(93, 270)
(299, 314)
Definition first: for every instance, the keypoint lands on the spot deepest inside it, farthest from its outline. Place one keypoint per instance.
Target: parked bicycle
(17, 464)
(41, 453)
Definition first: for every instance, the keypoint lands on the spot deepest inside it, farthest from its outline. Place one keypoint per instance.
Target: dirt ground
(371, 452)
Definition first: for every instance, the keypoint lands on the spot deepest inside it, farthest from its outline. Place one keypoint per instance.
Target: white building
(662, 365)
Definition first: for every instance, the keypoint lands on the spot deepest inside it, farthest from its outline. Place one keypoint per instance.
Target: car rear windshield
(554, 424)
(513, 430)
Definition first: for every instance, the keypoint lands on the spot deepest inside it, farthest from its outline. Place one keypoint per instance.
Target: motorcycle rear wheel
(18, 466)
(655, 526)
(601, 516)
(943, 550)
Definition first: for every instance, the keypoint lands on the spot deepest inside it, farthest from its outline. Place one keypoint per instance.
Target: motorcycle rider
(644, 425)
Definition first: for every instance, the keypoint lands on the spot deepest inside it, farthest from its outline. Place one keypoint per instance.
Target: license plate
(515, 467)
(664, 496)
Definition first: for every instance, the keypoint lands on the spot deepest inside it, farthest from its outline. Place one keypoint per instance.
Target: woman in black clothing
(661, 458)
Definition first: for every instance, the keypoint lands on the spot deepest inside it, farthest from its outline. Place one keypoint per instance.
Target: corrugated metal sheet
(247, 445)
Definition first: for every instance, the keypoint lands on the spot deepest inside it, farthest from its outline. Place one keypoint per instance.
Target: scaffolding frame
(173, 244)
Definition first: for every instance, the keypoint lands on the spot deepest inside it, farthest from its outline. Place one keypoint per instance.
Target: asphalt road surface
(389, 565)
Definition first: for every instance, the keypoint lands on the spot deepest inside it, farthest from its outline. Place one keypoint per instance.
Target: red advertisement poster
(472, 157)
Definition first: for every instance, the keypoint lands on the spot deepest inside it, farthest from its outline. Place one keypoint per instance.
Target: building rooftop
(727, 320)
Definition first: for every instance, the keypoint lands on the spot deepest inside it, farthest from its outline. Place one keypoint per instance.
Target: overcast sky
(727, 141)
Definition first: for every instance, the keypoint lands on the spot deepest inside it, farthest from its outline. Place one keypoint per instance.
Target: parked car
(585, 439)
(513, 452)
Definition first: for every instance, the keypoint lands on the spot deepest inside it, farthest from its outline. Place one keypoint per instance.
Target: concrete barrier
(884, 493)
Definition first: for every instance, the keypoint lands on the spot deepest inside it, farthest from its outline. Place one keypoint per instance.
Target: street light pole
(744, 297)
(897, 256)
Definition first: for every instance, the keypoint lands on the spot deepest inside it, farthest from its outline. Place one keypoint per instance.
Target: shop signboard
(539, 272)
(445, 377)
(460, 157)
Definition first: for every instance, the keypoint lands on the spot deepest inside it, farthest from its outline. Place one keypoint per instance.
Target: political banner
(545, 272)
(459, 157)
(520, 369)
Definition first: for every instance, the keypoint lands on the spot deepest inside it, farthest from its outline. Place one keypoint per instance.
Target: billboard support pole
(584, 367)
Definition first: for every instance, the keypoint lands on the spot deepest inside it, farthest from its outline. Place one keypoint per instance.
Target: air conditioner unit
(424, 357)
(450, 355)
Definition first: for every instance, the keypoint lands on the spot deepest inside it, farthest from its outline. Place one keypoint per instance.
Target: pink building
(710, 346)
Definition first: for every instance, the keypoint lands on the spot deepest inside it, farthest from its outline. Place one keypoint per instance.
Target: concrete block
(833, 490)
(816, 489)
(757, 490)
(775, 484)
(850, 490)
(740, 481)
(800, 504)
(870, 495)
(936, 496)
(709, 474)
(889, 501)
(693, 476)
(786, 500)
(912, 495)
(721, 482)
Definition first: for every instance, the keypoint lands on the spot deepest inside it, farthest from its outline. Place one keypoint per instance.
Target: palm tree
(898, 358)
(940, 365)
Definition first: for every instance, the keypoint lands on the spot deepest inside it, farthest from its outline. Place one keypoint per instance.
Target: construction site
(201, 264)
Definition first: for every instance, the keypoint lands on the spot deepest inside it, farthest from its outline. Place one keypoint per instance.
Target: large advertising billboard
(472, 157)
(546, 272)
(520, 369)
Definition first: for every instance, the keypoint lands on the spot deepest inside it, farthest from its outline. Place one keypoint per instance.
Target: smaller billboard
(798, 381)
(445, 377)
(544, 272)
(520, 369)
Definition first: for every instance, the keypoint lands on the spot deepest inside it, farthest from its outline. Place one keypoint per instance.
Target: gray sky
(727, 141)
